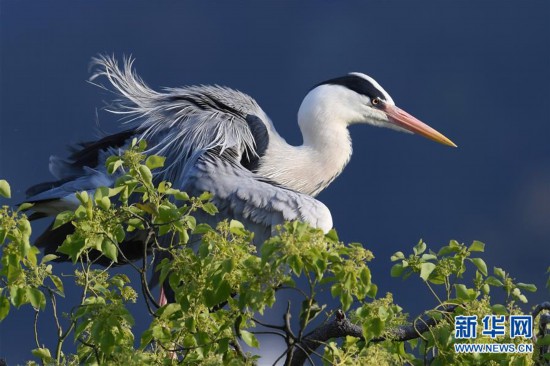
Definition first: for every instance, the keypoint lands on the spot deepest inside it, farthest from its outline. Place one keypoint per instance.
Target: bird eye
(375, 101)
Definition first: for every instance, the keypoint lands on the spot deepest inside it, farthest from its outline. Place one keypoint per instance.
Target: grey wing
(179, 122)
(175, 123)
(249, 198)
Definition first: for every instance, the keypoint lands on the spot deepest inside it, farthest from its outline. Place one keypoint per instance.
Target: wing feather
(178, 122)
(245, 196)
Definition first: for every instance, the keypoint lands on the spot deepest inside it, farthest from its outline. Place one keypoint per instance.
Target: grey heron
(219, 140)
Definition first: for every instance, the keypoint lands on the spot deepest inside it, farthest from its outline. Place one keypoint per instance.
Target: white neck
(325, 151)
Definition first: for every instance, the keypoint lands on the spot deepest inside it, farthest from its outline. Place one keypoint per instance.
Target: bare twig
(280, 327)
(36, 313)
(143, 272)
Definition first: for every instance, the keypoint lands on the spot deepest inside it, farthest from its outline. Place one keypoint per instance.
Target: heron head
(358, 98)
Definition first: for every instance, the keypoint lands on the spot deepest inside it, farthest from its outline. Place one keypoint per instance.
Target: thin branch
(92, 346)
(36, 312)
(286, 318)
(290, 337)
(298, 345)
(144, 285)
(269, 332)
(235, 344)
(280, 327)
(60, 338)
(285, 352)
(293, 288)
(341, 326)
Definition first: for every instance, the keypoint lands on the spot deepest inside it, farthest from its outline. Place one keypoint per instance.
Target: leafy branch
(222, 283)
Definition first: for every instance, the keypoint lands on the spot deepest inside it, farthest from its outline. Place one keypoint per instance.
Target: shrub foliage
(223, 284)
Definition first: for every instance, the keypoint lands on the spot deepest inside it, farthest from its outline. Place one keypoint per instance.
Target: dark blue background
(477, 71)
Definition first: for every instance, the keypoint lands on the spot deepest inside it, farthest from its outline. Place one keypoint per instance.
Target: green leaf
(83, 197)
(109, 250)
(477, 246)
(464, 293)
(516, 292)
(332, 235)
(24, 206)
(4, 307)
(365, 276)
(72, 247)
(146, 338)
(104, 203)
(309, 312)
(147, 207)
(383, 313)
(205, 196)
(42, 353)
(107, 341)
(372, 291)
(373, 327)
(210, 208)
(101, 192)
(499, 309)
(114, 165)
(397, 256)
(155, 161)
(17, 296)
(426, 269)
(25, 227)
(167, 310)
(461, 291)
(181, 196)
(36, 298)
(191, 324)
(234, 224)
(119, 233)
(295, 263)
(202, 229)
(346, 299)
(48, 258)
(146, 174)
(397, 270)
(5, 190)
(527, 287)
(62, 218)
(267, 249)
(250, 339)
(494, 281)
(419, 248)
(218, 295)
(58, 284)
(499, 272)
(428, 257)
(3, 235)
(480, 264)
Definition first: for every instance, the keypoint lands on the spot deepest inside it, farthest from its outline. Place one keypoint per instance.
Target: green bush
(222, 286)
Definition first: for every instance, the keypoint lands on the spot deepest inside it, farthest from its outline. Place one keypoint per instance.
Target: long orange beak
(402, 119)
